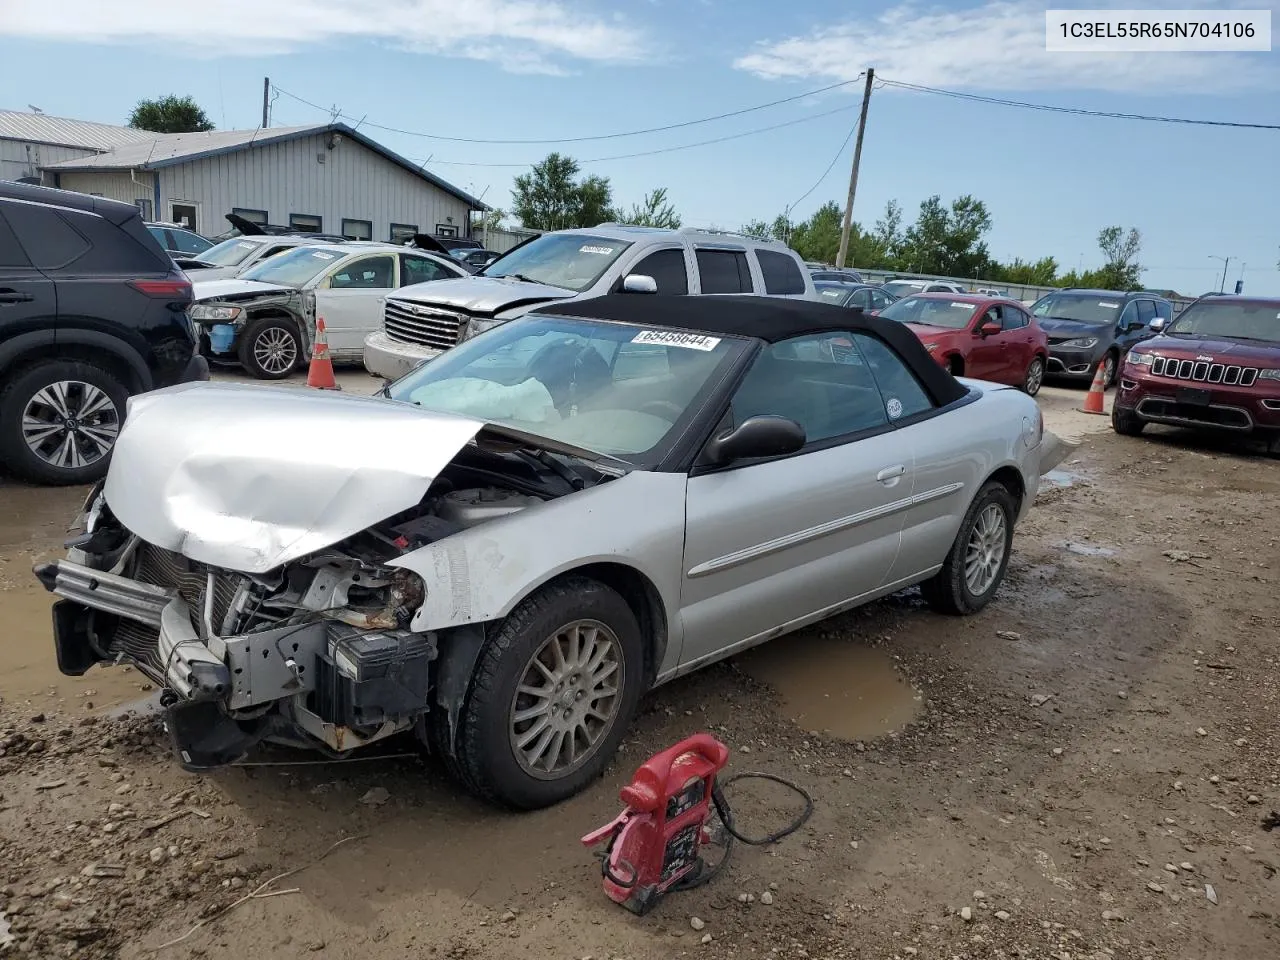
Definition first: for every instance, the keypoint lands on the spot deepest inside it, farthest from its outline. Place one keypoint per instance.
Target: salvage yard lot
(1091, 754)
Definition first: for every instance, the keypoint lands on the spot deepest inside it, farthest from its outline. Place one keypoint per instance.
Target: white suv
(422, 321)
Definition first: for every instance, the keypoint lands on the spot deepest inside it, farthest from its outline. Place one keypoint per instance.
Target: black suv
(92, 310)
(1092, 328)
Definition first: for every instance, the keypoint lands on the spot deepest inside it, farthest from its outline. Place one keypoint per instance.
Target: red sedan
(986, 338)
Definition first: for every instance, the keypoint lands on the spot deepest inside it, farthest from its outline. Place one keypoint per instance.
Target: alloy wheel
(70, 424)
(985, 550)
(275, 350)
(567, 699)
(1035, 377)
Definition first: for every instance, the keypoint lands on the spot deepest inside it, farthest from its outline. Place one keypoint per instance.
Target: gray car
(510, 546)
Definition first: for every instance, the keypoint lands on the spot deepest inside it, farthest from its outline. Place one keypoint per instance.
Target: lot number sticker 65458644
(670, 338)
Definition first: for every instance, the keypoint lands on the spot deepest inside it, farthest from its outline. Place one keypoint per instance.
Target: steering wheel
(661, 408)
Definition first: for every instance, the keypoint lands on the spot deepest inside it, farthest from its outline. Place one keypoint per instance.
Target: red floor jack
(655, 844)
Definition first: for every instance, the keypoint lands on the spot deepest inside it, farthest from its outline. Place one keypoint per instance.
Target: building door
(185, 214)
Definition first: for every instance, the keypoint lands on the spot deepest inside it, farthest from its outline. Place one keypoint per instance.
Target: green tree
(756, 228)
(818, 238)
(171, 114)
(948, 240)
(1120, 267)
(550, 197)
(1043, 272)
(655, 211)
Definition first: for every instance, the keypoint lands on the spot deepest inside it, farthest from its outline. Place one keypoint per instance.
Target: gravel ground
(1084, 770)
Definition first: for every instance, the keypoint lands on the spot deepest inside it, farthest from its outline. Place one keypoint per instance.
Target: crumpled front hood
(204, 274)
(482, 294)
(249, 477)
(232, 288)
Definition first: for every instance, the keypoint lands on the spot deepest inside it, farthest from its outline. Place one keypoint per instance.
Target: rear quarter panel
(965, 447)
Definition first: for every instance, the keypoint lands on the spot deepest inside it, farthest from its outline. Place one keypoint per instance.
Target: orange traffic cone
(320, 372)
(1095, 399)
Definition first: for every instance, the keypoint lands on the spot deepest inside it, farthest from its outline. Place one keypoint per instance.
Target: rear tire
(270, 348)
(497, 752)
(975, 566)
(59, 420)
(1126, 423)
(1032, 382)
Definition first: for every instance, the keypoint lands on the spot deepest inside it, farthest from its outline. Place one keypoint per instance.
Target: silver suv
(424, 320)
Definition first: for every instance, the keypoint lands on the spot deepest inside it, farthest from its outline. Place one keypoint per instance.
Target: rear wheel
(59, 420)
(1035, 377)
(270, 348)
(976, 563)
(553, 692)
(1126, 422)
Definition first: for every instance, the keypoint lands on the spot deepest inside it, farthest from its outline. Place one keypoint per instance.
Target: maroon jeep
(1215, 367)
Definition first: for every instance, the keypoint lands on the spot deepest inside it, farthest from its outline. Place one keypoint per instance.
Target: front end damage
(315, 653)
(253, 572)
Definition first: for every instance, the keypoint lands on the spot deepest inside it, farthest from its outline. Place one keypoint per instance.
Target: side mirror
(765, 436)
(1158, 324)
(989, 329)
(639, 283)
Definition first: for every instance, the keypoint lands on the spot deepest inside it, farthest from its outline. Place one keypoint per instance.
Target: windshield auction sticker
(600, 251)
(1156, 31)
(669, 338)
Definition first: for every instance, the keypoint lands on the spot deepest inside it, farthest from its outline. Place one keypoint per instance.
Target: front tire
(552, 695)
(59, 420)
(1110, 364)
(1032, 382)
(975, 566)
(270, 348)
(1126, 423)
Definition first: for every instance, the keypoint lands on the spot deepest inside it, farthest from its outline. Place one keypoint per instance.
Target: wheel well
(955, 364)
(117, 366)
(272, 313)
(643, 599)
(1011, 480)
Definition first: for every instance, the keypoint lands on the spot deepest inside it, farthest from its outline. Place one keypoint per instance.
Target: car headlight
(477, 326)
(204, 311)
(1269, 374)
(1082, 343)
(1139, 359)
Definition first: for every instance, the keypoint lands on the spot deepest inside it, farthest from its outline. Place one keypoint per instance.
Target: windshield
(615, 389)
(901, 288)
(951, 314)
(1084, 308)
(228, 253)
(293, 268)
(573, 261)
(1238, 321)
(836, 293)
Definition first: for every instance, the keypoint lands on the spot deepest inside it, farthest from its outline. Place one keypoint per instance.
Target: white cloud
(521, 35)
(998, 46)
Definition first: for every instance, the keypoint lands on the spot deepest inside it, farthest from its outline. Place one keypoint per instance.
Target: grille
(1204, 372)
(427, 326)
(164, 568)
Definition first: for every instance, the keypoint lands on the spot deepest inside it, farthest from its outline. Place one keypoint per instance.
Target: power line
(817, 183)
(683, 146)
(1079, 111)
(601, 136)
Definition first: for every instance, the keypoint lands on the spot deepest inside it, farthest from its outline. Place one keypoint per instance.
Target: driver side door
(349, 300)
(773, 543)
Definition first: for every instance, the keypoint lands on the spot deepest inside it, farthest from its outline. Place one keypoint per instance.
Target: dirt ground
(1086, 769)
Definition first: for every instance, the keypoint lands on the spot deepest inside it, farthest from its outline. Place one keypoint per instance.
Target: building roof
(169, 149)
(62, 132)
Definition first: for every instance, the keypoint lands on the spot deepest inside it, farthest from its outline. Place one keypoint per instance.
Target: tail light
(163, 289)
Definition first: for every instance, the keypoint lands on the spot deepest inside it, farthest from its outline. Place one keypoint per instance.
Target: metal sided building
(29, 141)
(326, 178)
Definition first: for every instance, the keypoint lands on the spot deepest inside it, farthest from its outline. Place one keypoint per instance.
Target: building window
(403, 232)
(253, 216)
(446, 230)
(357, 229)
(144, 207)
(305, 223)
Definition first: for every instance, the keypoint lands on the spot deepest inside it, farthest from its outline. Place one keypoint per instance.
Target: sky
(445, 72)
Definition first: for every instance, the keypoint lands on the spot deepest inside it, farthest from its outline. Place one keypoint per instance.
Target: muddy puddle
(1062, 478)
(1085, 549)
(835, 686)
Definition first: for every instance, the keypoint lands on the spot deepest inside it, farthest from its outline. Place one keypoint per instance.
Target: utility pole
(266, 102)
(1222, 287)
(853, 176)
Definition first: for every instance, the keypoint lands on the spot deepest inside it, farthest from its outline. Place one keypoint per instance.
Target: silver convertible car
(510, 545)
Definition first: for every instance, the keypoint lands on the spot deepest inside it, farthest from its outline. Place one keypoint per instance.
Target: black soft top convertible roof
(764, 318)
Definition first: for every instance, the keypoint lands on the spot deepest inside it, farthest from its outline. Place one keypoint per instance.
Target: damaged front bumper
(313, 682)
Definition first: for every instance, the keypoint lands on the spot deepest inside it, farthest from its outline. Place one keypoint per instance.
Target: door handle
(13, 296)
(890, 475)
